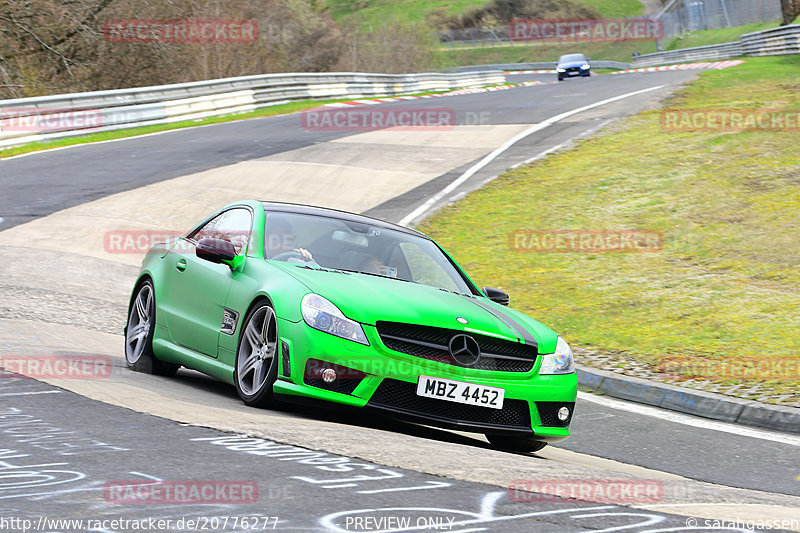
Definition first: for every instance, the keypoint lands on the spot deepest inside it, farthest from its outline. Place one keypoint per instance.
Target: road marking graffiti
(320, 461)
(430, 485)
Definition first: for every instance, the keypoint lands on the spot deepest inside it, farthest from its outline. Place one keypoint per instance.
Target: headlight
(321, 314)
(559, 69)
(585, 67)
(559, 362)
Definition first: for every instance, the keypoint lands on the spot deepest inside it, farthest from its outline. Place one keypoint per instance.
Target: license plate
(460, 392)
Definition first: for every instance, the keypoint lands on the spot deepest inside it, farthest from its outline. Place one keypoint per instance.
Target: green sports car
(297, 303)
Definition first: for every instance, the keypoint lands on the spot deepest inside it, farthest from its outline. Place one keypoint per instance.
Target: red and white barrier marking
(373, 101)
(686, 66)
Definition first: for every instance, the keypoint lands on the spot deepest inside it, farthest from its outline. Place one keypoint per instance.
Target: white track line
(688, 420)
(419, 211)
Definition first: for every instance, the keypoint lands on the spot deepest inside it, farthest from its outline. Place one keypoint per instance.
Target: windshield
(321, 242)
(572, 58)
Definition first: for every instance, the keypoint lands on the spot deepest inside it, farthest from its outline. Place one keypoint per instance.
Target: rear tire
(257, 357)
(516, 444)
(139, 334)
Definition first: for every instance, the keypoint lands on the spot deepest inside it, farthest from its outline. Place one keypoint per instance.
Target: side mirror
(216, 251)
(588, 59)
(496, 295)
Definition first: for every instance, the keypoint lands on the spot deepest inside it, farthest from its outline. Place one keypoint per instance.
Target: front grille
(347, 379)
(433, 344)
(548, 413)
(401, 396)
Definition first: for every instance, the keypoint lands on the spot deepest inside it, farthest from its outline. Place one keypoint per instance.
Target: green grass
(611, 51)
(726, 284)
(290, 107)
(616, 8)
(707, 37)
(376, 12)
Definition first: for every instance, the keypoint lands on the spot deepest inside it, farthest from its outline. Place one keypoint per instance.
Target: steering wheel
(294, 257)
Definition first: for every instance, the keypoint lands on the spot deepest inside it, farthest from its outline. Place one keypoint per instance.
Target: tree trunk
(791, 10)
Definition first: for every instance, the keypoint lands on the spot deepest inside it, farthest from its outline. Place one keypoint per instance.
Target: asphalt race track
(64, 290)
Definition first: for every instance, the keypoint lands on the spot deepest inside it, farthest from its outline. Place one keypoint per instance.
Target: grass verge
(725, 287)
(529, 53)
(281, 109)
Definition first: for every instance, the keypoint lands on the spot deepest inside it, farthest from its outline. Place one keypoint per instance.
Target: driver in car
(280, 241)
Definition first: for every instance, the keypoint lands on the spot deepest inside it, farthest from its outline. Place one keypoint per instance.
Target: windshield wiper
(456, 292)
(373, 274)
(323, 269)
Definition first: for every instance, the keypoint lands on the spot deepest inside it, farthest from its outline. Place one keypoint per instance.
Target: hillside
(375, 12)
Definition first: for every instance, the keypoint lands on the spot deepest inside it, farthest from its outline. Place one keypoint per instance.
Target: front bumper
(382, 379)
(572, 73)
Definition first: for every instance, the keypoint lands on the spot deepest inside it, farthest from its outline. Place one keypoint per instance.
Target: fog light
(329, 376)
(563, 414)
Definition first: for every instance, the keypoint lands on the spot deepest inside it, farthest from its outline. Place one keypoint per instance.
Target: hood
(368, 299)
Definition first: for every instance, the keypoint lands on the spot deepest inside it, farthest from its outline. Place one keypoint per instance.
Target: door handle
(181, 266)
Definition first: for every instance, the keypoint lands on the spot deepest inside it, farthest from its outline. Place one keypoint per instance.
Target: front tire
(139, 334)
(257, 357)
(515, 444)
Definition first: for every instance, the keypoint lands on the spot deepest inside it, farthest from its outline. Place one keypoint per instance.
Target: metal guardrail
(775, 41)
(713, 52)
(542, 65)
(26, 120)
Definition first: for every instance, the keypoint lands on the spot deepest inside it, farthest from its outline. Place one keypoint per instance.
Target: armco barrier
(775, 41)
(549, 65)
(144, 106)
(714, 52)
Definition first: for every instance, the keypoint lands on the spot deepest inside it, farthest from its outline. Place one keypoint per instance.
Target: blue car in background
(573, 65)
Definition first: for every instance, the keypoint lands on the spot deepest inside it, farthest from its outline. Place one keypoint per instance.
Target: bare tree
(49, 46)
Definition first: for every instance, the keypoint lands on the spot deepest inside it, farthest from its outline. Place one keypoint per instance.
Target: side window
(424, 269)
(233, 225)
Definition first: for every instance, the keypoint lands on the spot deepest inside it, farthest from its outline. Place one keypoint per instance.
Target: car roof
(302, 209)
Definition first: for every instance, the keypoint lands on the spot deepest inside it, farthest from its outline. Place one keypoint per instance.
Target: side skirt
(170, 353)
